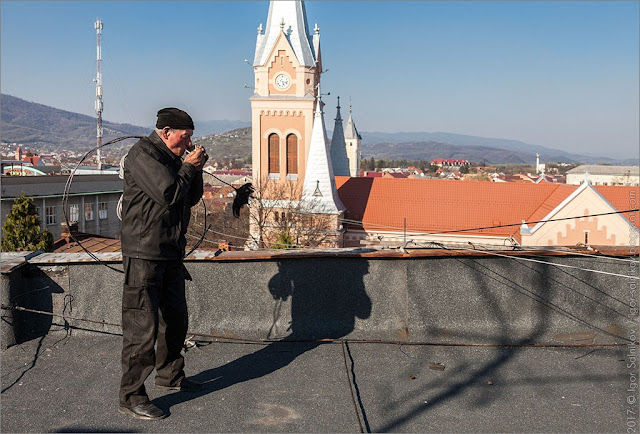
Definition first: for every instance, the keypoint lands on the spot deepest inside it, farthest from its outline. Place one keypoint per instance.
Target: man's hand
(198, 157)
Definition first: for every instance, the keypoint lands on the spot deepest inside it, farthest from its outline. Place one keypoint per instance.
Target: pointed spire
(339, 158)
(350, 131)
(292, 17)
(319, 189)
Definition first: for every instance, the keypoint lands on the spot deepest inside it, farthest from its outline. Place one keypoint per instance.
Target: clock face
(282, 81)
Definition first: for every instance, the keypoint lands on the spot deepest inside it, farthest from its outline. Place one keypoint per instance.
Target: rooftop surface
(64, 382)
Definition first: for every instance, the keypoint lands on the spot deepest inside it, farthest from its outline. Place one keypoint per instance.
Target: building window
(274, 153)
(50, 215)
(102, 210)
(292, 154)
(74, 212)
(88, 211)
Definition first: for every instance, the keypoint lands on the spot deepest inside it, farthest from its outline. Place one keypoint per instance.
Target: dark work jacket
(159, 191)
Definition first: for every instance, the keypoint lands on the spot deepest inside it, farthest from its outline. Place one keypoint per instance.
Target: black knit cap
(174, 118)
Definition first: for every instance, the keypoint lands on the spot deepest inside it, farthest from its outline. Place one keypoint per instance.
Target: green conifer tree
(285, 240)
(21, 230)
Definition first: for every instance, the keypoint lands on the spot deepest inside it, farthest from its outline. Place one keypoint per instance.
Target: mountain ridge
(32, 123)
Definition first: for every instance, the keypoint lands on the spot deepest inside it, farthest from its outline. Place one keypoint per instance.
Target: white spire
(350, 131)
(289, 17)
(319, 189)
(339, 159)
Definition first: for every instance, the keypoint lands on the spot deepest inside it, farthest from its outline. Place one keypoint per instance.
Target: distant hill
(516, 148)
(42, 126)
(39, 125)
(230, 144)
(46, 127)
(430, 150)
(208, 128)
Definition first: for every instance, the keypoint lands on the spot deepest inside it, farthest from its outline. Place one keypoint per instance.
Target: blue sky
(558, 74)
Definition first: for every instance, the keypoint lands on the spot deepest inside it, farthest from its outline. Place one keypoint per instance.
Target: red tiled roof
(394, 175)
(94, 244)
(368, 174)
(622, 198)
(439, 205)
(552, 201)
(32, 160)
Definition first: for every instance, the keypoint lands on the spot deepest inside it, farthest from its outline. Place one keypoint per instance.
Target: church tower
(339, 159)
(290, 154)
(287, 67)
(353, 141)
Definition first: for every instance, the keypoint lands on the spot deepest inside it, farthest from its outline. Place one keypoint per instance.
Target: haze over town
(558, 74)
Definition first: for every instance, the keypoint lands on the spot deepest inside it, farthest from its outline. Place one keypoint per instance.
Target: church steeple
(286, 76)
(290, 18)
(319, 190)
(339, 158)
(353, 141)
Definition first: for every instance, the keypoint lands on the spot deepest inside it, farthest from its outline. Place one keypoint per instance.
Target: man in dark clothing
(159, 191)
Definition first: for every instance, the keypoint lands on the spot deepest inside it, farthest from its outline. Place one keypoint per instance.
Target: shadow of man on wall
(326, 294)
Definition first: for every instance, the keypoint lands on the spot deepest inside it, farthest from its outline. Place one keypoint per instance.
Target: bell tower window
(274, 154)
(292, 156)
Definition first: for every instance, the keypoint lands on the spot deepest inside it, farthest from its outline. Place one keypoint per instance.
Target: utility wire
(336, 340)
(362, 223)
(65, 204)
(543, 262)
(588, 255)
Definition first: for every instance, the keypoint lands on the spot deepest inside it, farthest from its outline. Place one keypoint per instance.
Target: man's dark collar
(156, 140)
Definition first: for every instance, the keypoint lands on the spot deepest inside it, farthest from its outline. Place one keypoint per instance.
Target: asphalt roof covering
(68, 382)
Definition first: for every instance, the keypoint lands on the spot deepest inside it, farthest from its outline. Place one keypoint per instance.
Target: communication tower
(98, 81)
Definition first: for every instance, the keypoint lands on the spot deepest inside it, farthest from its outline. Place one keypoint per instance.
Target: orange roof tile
(94, 244)
(445, 206)
(553, 200)
(622, 198)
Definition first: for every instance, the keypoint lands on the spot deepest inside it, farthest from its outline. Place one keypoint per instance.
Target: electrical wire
(541, 262)
(362, 223)
(65, 204)
(339, 340)
(65, 199)
(600, 255)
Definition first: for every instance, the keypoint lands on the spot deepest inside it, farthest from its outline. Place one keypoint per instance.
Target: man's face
(178, 141)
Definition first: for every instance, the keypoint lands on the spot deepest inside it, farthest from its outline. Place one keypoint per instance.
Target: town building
(485, 213)
(449, 162)
(92, 201)
(604, 175)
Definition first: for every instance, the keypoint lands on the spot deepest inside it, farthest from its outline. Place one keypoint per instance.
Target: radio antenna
(98, 81)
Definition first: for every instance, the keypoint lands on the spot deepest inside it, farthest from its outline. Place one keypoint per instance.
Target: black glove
(242, 198)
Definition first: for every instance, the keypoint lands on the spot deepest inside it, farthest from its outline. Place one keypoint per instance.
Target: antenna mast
(98, 81)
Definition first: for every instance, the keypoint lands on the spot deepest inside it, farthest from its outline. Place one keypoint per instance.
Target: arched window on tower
(274, 155)
(292, 156)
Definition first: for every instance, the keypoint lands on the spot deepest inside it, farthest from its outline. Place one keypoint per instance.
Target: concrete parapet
(441, 297)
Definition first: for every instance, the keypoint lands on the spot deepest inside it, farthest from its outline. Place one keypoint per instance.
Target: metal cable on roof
(541, 262)
(338, 340)
(65, 199)
(65, 203)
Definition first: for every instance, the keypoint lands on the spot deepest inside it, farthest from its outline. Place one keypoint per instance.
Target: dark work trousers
(153, 308)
